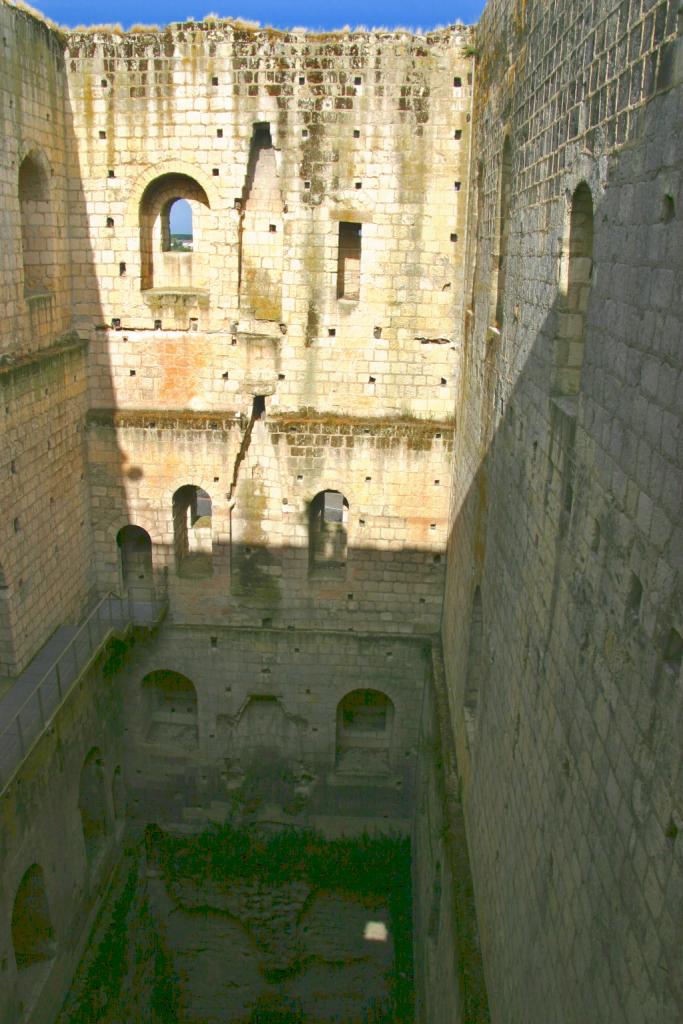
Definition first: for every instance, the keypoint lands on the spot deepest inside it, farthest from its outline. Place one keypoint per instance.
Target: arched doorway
(92, 804)
(192, 532)
(33, 937)
(364, 729)
(135, 555)
(169, 709)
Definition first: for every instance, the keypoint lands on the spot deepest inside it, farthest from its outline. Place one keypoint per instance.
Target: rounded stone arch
(93, 804)
(162, 265)
(112, 557)
(33, 935)
(192, 515)
(38, 229)
(134, 518)
(169, 709)
(135, 554)
(181, 168)
(328, 519)
(364, 732)
(34, 152)
(576, 273)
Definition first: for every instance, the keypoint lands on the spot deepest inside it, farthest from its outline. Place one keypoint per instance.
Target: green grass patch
(364, 866)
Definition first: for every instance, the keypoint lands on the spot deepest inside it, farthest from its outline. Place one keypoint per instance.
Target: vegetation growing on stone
(364, 866)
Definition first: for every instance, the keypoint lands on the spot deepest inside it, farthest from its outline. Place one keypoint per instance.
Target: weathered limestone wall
(275, 139)
(46, 568)
(394, 476)
(45, 551)
(449, 981)
(71, 778)
(264, 727)
(564, 614)
(35, 284)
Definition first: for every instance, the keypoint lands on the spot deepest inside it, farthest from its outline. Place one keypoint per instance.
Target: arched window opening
(503, 228)
(328, 534)
(37, 229)
(573, 304)
(475, 666)
(177, 233)
(135, 551)
(92, 803)
(364, 728)
(169, 709)
(261, 230)
(171, 254)
(192, 532)
(118, 795)
(33, 937)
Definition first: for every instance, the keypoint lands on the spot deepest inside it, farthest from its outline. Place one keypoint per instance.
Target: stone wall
(563, 617)
(277, 139)
(62, 823)
(46, 570)
(35, 285)
(392, 474)
(260, 732)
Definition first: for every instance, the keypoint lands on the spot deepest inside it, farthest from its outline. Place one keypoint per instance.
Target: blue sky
(280, 13)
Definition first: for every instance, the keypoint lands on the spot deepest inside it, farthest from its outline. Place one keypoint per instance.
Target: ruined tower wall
(563, 616)
(42, 824)
(36, 292)
(303, 133)
(327, 177)
(44, 528)
(394, 478)
(267, 727)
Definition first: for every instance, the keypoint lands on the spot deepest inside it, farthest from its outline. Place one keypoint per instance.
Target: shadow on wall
(555, 620)
(47, 561)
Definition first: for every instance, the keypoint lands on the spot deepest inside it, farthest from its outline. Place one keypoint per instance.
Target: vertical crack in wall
(258, 407)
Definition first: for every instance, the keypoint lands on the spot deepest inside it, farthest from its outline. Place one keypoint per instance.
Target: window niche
(261, 231)
(33, 936)
(172, 218)
(37, 224)
(364, 730)
(135, 554)
(328, 535)
(92, 804)
(169, 715)
(349, 260)
(574, 296)
(504, 201)
(192, 532)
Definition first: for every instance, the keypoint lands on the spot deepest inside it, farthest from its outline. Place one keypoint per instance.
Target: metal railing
(31, 703)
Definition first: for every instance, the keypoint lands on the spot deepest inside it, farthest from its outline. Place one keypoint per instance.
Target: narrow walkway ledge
(29, 703)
